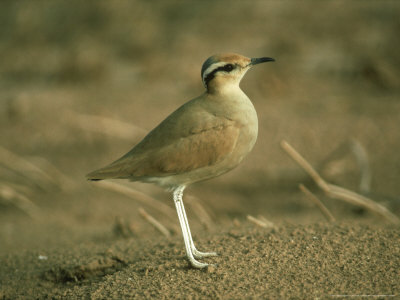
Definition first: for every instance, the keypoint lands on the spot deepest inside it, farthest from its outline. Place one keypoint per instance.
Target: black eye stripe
(225, 68)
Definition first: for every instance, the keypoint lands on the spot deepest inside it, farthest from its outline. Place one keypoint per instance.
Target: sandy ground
(81, 83)
(315, 261)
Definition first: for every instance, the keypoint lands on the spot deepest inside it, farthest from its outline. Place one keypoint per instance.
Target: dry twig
(200, 211)
(266, 221)
(11, 196)
(154, 222)
(361, 156)
(63, 181)
(362, 160)
(337, 192)
(138, 196)
(325, 211)
(259, 222)
(25, 168)
(20, 188)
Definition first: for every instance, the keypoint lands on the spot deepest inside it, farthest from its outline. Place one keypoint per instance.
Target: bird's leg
(196, 253)
(178, 193)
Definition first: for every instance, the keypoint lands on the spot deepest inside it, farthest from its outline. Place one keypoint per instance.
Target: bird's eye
(228, 68)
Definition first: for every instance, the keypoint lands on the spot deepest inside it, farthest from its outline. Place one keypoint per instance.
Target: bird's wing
(183, 142)
(200, 149)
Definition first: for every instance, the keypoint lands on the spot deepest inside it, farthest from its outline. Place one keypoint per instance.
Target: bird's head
(224, 70)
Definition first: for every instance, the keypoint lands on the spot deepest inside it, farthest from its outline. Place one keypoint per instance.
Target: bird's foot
(196, 254)
(199, 254)
(196, 264)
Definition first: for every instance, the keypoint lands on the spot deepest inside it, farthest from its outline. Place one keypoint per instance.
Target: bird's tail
(100, 174)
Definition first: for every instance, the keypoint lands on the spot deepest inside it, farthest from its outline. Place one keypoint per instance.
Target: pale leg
(189, 245)
(196, 253)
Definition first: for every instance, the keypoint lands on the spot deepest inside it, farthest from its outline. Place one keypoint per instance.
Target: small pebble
(211, 269)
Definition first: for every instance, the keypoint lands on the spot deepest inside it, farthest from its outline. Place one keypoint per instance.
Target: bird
(204, 138)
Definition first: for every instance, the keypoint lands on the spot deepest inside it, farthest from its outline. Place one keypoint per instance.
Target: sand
(82, 82)
(317, 261)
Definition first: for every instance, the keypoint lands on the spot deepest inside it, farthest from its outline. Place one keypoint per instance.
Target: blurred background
(81, 82)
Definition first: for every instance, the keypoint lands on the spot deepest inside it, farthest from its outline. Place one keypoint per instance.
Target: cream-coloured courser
(204, 138)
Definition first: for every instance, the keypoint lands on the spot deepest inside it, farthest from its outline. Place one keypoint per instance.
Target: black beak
(255, 61)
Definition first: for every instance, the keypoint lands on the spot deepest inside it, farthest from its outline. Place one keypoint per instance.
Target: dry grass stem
(337, 192)
(200, 211)
(25, 168)
(154, 222)
(104, 125)
(258, 222)
(362, 160)
(20, 188)
(305, 165)
(12, 197)
(266, 221)
(361, 156)
(63, 181)
(341, 193)
(138, 196)
(325, 211)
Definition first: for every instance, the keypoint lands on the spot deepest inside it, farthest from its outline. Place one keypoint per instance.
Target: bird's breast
(247, 120)
(238, 108)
